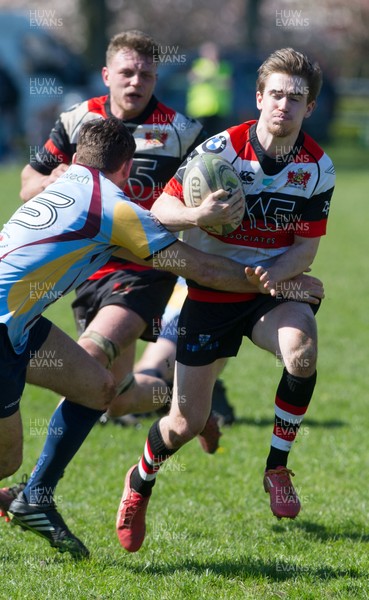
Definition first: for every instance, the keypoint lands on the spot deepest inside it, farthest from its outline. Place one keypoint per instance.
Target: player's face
(131, 78)
(283, 105)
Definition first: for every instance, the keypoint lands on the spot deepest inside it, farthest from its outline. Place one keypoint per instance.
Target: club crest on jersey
(215, 144)
(156, 136)
(298, 178)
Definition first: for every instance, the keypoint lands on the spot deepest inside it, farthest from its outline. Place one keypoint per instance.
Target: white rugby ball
(206, 173)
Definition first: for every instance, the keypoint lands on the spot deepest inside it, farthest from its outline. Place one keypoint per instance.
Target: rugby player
(123, 301)
(47, 249)
(288, 182)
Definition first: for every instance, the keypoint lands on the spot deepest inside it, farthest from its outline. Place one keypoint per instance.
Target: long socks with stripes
(291, 403)
(155, 454)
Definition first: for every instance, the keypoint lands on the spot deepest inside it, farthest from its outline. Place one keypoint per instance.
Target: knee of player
(10, 464)
(100, 347)
(122, 405)
(302, 358)
(105, 392)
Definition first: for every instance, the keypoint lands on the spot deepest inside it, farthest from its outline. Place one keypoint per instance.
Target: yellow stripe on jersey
(42, 282)
(178, 296)
(128, 230)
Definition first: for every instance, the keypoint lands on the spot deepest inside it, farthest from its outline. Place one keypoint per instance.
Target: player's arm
(300, 256)
(208, 270)
(221, 273)
(138, 231)
(163, 251)
(33, 182)
(296, 260)
(176, 216)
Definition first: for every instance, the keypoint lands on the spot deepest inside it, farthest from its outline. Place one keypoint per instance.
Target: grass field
(211, 534)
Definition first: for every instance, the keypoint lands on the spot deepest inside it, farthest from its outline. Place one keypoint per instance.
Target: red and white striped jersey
(163, 136)
(285, 196)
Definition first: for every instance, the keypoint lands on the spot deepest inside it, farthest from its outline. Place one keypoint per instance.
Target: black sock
(291, 403)
(155, 453)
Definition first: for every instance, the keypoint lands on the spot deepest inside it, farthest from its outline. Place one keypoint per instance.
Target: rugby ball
(206, 173)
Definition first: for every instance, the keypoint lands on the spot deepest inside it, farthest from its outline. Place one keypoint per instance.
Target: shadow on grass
(271, 569)
(244, 567)
(45, 557)
(318, 532)
(264, 422)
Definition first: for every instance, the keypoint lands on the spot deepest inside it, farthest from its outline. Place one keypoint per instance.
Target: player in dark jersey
(47, 248)
(288, 182)
(159, 359)
(123, 301)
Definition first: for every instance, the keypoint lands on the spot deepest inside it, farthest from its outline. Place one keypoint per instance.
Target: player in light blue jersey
(48, 247)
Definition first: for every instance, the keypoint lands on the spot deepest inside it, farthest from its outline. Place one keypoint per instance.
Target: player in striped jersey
(288, 183)
(47, 248)
(124, 301)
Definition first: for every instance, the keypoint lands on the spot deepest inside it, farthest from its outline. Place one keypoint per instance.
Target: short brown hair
(105, 144)
(291, 62)
(134, 40)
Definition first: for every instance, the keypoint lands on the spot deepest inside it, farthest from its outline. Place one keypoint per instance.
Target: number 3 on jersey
(41, 212)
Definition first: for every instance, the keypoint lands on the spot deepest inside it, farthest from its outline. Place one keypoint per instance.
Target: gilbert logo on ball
(206, 173)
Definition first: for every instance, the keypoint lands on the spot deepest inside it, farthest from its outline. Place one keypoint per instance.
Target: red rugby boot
(8, 494)
(284, 501)
(130, 524)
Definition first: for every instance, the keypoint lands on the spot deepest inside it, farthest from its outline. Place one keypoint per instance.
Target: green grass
(210, 531)
(351, 122)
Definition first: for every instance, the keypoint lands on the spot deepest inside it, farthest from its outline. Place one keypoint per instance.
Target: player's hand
(254, 275)
(55, 174)
(302, 288)
(219, 208)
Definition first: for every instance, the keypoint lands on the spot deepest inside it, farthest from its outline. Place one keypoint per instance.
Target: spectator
(209, 96)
